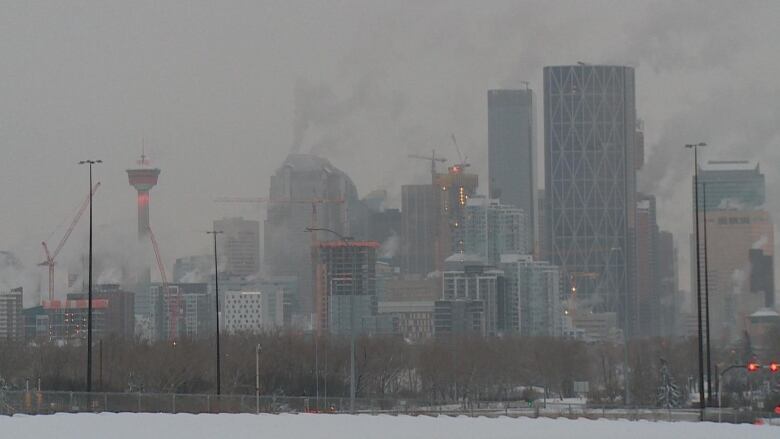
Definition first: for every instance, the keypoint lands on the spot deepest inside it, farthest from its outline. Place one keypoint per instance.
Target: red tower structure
(143, 180)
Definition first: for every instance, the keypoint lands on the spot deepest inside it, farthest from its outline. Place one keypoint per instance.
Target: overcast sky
(220, 91)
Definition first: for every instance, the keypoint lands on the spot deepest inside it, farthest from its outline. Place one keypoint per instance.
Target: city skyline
(675, 97)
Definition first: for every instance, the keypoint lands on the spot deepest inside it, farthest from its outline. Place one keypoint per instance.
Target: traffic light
(774, 367)
(777, 409)
(753, 366)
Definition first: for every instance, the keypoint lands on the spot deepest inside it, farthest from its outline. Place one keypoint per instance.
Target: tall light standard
(707, 296)
(216, 289)
(258, 349)
(695, 147)
(352, 388)
(89, 294)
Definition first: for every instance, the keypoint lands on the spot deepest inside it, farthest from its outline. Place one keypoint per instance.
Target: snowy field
(162, 426)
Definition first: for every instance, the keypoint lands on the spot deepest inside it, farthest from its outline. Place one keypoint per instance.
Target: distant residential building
(467, 278)
(493, 229)
(670, 299)
(345, 286)
(240, 242)
(410, 305)
(459, 317)
(590, 127)
(120, 316)
(647, 304)
(456, 187)
(68, 318)
(252, 311)
(512, 152)
(194, 312)
(534, 289)
(11, 317)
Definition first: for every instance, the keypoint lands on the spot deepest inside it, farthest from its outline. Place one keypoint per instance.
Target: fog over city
(219, 93)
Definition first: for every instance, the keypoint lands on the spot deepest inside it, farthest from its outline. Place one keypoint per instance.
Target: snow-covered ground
(162, 426)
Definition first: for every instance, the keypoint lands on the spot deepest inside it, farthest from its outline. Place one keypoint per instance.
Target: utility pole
(89, 294)
(695, 147)
(216, 306)
(710, 400)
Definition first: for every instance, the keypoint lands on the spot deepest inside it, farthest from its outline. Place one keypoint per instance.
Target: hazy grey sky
(221, 90)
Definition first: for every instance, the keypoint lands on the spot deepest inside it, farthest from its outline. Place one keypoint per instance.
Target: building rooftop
(729, 165)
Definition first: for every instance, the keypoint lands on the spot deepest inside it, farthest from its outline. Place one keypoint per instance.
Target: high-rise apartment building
(590, 127)
(456, 187)
(11, 317)
(493, 229)
(512, 152)
(535, 289)
(345, 285)
(647, 303)
(469, 279)
(240, 241)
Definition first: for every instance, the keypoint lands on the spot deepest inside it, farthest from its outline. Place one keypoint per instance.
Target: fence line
(48, 402)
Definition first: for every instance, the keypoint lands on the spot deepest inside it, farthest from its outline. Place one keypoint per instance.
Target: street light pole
(695, 147)
(707, 297)
(216, 289)
(89, 294)
(720, 386)
(258, 349)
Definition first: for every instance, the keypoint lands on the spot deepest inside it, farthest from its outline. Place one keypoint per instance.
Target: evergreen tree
(668, 395)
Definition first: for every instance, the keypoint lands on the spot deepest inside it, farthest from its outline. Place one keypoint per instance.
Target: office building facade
(512, 152)
(590, 182)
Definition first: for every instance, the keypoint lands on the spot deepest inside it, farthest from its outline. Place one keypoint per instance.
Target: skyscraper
(511, 151)
(419, 228)
(732, 184)
(456, 187)
(590, 129)
(493, 229)
(240, 246)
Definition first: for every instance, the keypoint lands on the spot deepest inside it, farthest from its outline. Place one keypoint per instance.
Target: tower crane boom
(52, 256)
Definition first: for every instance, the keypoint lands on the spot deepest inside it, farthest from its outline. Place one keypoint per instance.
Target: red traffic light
(777, 409)
(753, 366)
(774, 367)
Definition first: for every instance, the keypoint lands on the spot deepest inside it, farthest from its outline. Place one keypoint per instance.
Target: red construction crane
(172, 298)
(51, 256)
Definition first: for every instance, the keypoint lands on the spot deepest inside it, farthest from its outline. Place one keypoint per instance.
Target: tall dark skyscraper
(590, 129)
(511, 152)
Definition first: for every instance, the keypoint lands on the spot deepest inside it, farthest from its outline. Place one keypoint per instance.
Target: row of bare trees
(462, 369)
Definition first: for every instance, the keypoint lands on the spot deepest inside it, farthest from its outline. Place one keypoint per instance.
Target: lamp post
(707, 297)
(258, 349)
(216, 289)
(352, 387)
(720, 386)
(89, 294)
(695, 147)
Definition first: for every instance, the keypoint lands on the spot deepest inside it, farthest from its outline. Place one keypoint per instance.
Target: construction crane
(171, 298)
(463, 162)
(432, 158)
(51, 256)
